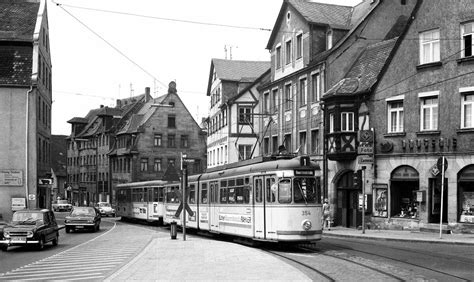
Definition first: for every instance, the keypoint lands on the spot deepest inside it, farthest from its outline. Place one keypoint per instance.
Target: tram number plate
(305, 213)
(79, 226)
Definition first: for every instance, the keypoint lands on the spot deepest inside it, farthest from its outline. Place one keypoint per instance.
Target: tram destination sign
(299, 172)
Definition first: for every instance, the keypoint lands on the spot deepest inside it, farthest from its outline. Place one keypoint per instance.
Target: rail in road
(92, 260)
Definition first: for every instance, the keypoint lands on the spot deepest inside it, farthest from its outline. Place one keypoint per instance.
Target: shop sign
(434, 170)
(18, 204)
(365, 160)
(11, 177)
(365, 150)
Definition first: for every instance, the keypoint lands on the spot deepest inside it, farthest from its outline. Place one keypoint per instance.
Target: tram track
(320, 266)
(448, 276)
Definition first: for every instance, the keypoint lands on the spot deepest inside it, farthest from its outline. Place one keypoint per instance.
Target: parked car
(82, 218)
(30, 227)
(62, 205)
(105, 209)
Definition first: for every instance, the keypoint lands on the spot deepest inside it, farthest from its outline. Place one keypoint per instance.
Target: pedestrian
(326, 214)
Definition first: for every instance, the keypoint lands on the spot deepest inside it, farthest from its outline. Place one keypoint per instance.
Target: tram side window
(121, 196)
(258, 191)
(204, 193)
(171, 196)
(246, 194)
(271, 190)
(305, 190)
(155, 194)
(192, 194)
(223, 192)
(144, 195)
(284, 191)
(239, 191)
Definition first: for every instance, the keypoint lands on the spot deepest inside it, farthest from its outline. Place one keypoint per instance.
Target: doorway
(347, 212)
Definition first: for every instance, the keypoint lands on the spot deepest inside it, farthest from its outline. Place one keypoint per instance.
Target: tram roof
(143, 184)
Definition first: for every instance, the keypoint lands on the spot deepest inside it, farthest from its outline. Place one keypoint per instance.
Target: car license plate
(18, 239)
(79, 226)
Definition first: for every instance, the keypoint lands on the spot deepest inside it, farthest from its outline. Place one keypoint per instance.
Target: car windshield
(104, 205)
(62, 202)
(27, 217)
(83, 212)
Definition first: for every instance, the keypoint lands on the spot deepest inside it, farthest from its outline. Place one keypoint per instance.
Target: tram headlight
(306, 224)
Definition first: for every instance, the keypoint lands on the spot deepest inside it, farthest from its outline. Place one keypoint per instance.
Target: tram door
(264, 198)
(213, 206)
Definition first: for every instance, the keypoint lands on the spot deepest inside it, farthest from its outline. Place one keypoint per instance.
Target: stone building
(149, 142)
(25, 108)
(422, 110)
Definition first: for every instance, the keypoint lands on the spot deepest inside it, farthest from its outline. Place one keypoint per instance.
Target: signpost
(184, 184)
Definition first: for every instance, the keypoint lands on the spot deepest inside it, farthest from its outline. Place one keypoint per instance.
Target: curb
(365, 237)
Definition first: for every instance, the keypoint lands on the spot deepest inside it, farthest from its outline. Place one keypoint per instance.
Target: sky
(104, 50)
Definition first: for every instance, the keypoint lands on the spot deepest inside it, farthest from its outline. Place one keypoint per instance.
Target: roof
(335, 16)
(18, 20)
(364, 73)
(239, 70)
(264, 78)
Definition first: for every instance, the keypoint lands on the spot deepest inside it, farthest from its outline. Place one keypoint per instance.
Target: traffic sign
(180, 207)
(439, 163)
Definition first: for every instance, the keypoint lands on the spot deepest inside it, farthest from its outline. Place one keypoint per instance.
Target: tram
(142, 201)
(273, 200)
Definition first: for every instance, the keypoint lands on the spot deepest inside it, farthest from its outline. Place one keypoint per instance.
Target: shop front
(466, 195)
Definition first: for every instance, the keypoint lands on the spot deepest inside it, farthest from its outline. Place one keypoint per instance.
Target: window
(347, 121)
(204, 193)
(171, 122)
(288, 52)
(158, 140)
(467, 32)
(258, 187)
(271, 190)
(171, 162)
(303, 92)
(171, 141)
(302, 147)
(157, 165)
(315, 87)
(429, 113)
(329, 39)
(245, 115)
(429, 46)
(278, 57)
(266, 146)
(287, 142)
(288, 96)
(299, 46)
(284, 191)
(274, 144)
(306, 190)
(266, 102)
(331, 123)
(275, 100)
(315, 141)
(467, 119)
(395, 116)
(144, 164)
(184, 141)
(245, 152)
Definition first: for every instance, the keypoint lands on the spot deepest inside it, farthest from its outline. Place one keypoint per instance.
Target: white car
(62, 205)
(105, 209)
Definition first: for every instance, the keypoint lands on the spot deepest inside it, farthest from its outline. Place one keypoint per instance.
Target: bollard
(173, 230)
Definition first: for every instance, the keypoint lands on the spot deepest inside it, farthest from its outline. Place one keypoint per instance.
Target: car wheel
(4, 248)
(41, 244)
(56, 239)
(68, 229)
(113, 215)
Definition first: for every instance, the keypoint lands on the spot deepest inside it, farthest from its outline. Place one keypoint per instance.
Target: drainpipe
(27, 129)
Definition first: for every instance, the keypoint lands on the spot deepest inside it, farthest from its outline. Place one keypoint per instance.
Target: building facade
(149, 144)
(232, 127)
(25, 110)
(422, 111)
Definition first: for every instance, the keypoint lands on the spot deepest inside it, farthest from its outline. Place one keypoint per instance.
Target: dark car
(30, 227)
(82, 218)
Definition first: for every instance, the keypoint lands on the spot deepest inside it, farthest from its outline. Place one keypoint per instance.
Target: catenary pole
(442, 195)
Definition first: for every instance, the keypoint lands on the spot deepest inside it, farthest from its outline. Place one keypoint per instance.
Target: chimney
(119, 103)
(101, 106)
(147, 94)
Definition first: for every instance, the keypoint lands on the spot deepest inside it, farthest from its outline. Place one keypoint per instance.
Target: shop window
(380, 204)
(466, 195)
(403, 188)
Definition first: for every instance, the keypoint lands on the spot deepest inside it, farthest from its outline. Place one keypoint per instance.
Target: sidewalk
(200, 258)
(400, 235)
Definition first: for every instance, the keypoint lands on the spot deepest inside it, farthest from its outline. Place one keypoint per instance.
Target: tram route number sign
(180, 207)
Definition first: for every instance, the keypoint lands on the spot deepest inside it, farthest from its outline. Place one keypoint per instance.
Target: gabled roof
(18, 20)
(365, 71)
(238, 71)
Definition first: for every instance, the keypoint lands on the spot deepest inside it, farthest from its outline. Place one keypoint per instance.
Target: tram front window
(305, 190)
